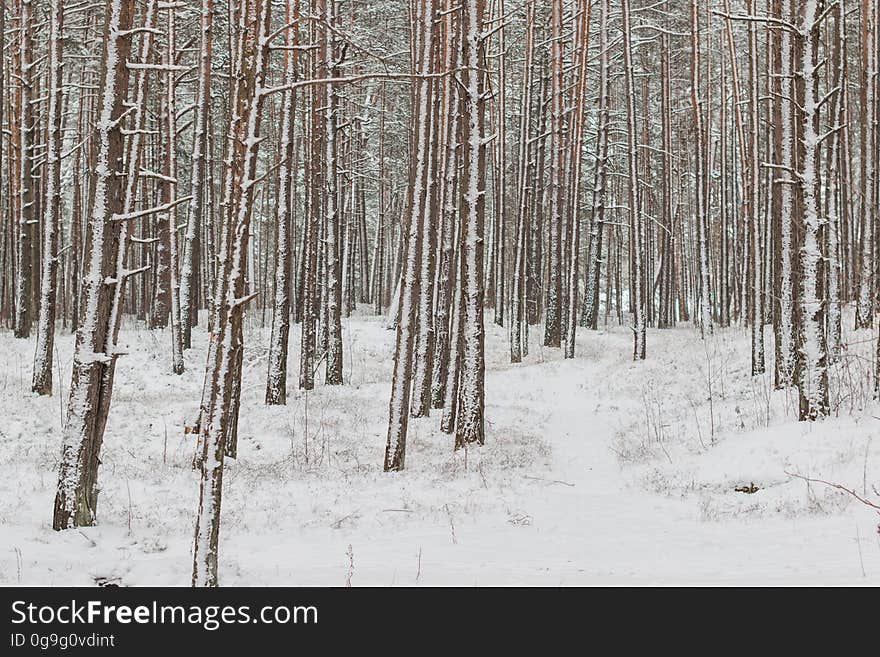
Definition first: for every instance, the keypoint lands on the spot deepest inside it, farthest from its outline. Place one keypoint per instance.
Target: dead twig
(550, 481)
(451, 524)
(350, 554)
(861, 499)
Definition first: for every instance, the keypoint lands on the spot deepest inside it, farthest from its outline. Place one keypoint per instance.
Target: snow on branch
(143, 213)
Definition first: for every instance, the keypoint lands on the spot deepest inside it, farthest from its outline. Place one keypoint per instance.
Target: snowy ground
(595, 471)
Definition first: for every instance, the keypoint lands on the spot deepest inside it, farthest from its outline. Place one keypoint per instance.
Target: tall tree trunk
(574, 239)
(217, 421)
(92, 378)
(553, 319)
(446, 274)
(517, 320)
(813, 381)
(754, 203)
(42, 381)
(637, 291)
(500, 205)
(189, 268)
(864, 317)
(332, 217)
(425, 333)
(701, 178)
(600, 178)
(169, 189)
(276, 381)
(411, 288)
(469, 422)
(26, 197)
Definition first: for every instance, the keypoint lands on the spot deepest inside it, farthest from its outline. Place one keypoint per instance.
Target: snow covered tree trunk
(864, 317)
(92, 378)
(535, 287)
(398, 412)
(872, 152)
(499, 251)
(446, 274)
(813, 381)
(4, 244)
(191, 245)
(346, 196)
(363, 255)
(517, 320)
(666, 312)
(836, 182)
(42, 381)
(743, 150)
(582, 47)
(785, 346)
(875, 147)
(133, 158)
(553, 318)
(453, 373)
(470, 421)
(754, 203)
(332, 218)
(590, 316)
(169, 188)
(634, 197)
(700, 183)
(161, 302)
(425, 335)
(379, 254)
(230, 192)
(216, 422)
(725, 194)
(311, 228)
(276, 381)
(26, 197)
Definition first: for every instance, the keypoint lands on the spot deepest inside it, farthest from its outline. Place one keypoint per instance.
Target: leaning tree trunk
(217, 422)
(92, 379)
(401, 382)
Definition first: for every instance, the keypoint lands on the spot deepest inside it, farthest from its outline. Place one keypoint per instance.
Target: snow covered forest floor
(595, 471)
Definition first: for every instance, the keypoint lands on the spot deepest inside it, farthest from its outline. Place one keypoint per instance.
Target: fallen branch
(861, 499)
(551, 481)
